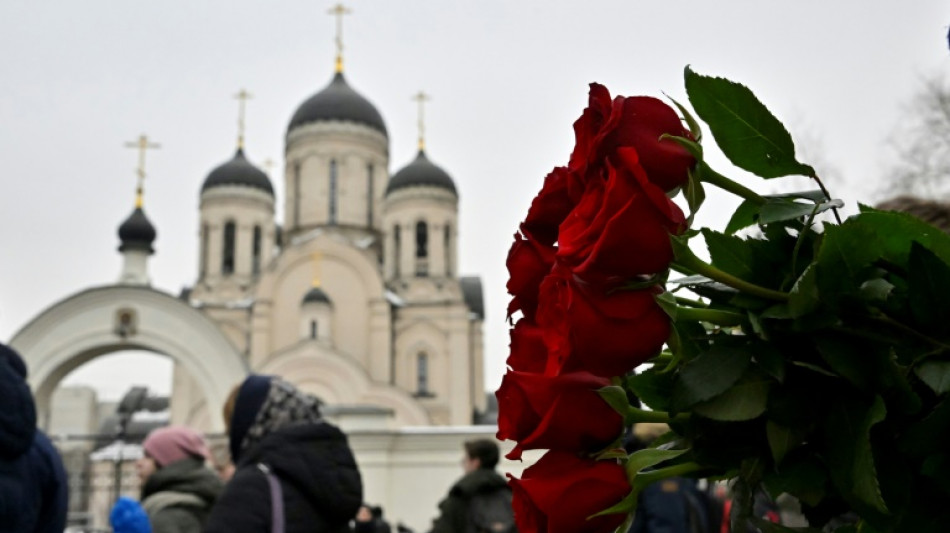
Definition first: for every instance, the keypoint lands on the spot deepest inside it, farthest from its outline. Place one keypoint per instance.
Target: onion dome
(316, 295)
(238, 171)
(137, 233)
(421, 173)
(338, 101)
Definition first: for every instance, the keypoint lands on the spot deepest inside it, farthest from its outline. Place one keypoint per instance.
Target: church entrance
(118, 318)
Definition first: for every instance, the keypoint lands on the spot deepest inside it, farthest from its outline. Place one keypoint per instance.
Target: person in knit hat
(34, 491)
(178, 491)
(276, 434)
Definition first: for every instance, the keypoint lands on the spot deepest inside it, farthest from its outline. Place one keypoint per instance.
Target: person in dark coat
(481, 457)
(177, 489)
(274, 427)
(34, 491)
(369, 519)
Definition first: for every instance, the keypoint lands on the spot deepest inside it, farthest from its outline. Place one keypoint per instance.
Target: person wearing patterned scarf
(275, 427)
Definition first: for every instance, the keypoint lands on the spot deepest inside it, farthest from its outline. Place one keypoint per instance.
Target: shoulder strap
(276, 499)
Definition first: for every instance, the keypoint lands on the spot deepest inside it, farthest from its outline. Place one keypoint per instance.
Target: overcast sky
(507, 79)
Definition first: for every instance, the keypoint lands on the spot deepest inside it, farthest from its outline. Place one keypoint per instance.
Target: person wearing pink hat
(177, 489)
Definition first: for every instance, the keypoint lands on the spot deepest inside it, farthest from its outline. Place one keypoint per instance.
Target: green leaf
(731, 254)
(709, 375)
(849, 455)
(780, 210)
(653, 387)
(928, 288)
(746, 132)
(847, 252)
(815, 196)
(782, 440)
(744, 401)
(694, 128)
(615, 397)
(626, 505)
(695, 195)
(667, 303)
(877, 289)
(647, 458)
(745, 215)
(804, 297)
(936, 374)
(770, 359)
(803, 478)
(694, 148)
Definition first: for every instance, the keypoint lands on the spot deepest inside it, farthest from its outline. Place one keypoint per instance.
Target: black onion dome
(137, 233)
(338, 101)
(316, 295)
(238, 171)
(421, 173)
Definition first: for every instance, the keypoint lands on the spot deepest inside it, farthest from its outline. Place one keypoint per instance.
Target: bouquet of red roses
(805, 358)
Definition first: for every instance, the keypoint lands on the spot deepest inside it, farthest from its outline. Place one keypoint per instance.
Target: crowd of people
(285, 470)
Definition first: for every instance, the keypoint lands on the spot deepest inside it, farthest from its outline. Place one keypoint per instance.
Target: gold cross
(338, 11)
(422, 98)
(242, 97)
(143, 145)
(316, 268)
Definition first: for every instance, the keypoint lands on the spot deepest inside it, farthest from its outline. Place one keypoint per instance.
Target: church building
(357, 297)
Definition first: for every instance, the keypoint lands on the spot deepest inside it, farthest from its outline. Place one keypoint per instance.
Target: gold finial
(316, 268)
(142, 145)
(338, 11)
(422, 98)
(242, 98)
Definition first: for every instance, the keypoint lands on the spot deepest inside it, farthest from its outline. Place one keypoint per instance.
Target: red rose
(529, 261)
(557, 198)
(621, 228)
(528, 351)
(637, 122)
(592, 328)
(559, 492)
(555, 412)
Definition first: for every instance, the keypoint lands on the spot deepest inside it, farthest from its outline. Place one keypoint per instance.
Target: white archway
(107, 319)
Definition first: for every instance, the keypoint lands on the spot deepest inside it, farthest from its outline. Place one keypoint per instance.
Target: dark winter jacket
(321, 484)
(673, 505)
(178, 497)
(33, 483)
(453, 510)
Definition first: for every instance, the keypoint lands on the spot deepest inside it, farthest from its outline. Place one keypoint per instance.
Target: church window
(227, 257)
(422, 374)
(447, 246)
(256, 258)
(397, 245)
(333, 187)
(370, 193)
(422, 240)
(313, 329)
(296, 194)
(204, 249)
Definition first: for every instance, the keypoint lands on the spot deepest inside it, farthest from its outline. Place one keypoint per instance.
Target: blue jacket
(33, 484)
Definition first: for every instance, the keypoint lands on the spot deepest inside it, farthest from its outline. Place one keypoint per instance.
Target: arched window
(313, 329)
(227, 256)
(204, 249)
(422, 240)
(296, 194)
(256, 256)
(447, 247)
(370, 194)
(333, 186)
(397, 246)
(422, 374)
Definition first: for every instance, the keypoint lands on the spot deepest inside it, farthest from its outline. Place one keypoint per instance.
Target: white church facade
(356, 297)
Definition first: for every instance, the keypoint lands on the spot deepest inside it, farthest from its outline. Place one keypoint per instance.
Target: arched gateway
(107, 319)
